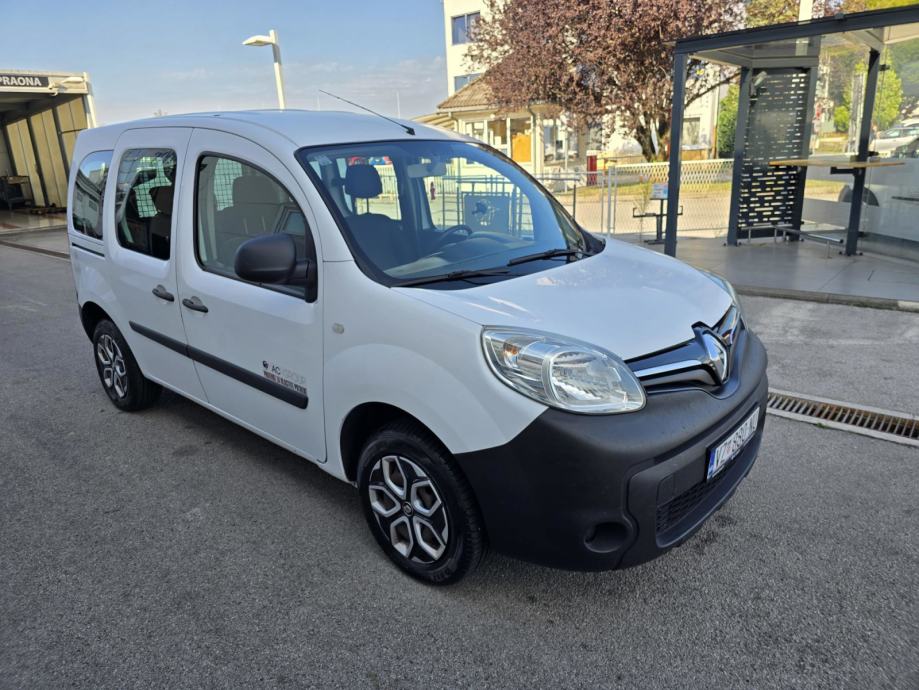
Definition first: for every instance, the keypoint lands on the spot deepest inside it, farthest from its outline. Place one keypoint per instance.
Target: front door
(257, 348)
(139, 238)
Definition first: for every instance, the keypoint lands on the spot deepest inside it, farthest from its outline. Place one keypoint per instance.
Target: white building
(538, 138)
(459, 17)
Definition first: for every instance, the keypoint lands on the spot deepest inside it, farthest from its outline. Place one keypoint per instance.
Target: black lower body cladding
(602, 492)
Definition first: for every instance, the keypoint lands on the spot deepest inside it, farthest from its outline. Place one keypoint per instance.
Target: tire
(418, 505)
(121, 378)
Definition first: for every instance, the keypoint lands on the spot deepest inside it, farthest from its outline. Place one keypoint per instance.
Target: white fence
(617, 201)
(620, 199)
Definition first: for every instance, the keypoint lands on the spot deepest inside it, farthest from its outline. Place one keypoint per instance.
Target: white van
(411, 311)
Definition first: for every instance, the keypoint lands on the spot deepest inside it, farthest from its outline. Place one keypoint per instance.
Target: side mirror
(271, 259)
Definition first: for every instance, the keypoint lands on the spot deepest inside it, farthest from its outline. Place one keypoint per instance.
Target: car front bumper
(602, 492)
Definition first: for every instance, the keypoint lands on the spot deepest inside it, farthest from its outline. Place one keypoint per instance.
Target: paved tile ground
(804, 266)
(171, 547)
(853, 354)
(19, 221)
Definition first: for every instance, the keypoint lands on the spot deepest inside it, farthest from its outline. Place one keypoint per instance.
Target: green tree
(601, 61)
(841, 118)
(887, 101)
(727, 121)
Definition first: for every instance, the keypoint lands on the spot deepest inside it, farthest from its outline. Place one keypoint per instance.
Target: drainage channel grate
(868, 421)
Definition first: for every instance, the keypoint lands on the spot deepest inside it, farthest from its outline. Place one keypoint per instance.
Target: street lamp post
(271, 40)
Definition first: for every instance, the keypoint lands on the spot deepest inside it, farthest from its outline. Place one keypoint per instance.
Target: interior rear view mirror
(434, 169)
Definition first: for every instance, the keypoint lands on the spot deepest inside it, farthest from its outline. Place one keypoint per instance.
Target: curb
(32, 248)
(829, 298)
(6, 232)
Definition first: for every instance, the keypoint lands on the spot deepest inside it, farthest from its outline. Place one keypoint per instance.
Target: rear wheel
(418, 506)
(121, 378)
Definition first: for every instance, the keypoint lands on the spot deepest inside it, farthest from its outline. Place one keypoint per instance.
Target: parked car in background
(907, 150)
(888, 140)
(482, 369)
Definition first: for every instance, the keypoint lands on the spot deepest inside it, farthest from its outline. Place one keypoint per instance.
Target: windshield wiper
(453, 275)
(549, 254)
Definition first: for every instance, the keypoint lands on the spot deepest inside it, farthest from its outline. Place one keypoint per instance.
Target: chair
(11, 193)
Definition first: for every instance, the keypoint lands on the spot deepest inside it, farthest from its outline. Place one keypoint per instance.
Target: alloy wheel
(114, 371)
(409, 509)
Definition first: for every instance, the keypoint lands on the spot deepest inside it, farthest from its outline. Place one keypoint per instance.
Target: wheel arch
(361, 422)
(845, 196)
(90, 316)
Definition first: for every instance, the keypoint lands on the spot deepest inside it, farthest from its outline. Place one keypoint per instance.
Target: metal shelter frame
(749, 50)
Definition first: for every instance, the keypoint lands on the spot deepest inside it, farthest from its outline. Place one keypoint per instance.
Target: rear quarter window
(89, 192)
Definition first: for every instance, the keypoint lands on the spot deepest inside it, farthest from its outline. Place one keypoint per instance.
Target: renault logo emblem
(716, 355)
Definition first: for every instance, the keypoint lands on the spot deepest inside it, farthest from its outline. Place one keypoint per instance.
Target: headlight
(562, 373)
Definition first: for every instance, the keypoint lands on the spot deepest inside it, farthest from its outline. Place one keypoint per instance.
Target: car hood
(627, 299)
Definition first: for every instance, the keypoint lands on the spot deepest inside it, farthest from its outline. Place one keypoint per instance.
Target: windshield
(418, 209)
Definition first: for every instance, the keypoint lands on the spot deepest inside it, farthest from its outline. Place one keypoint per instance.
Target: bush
(727, 121)
(841, 118)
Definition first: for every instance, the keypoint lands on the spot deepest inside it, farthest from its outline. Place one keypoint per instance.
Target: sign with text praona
(23, 81)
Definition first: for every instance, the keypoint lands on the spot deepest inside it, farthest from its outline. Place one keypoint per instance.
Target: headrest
(362, 181)
(162, 199)
(254, 189)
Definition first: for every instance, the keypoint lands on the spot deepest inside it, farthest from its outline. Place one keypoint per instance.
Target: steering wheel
(449, 232)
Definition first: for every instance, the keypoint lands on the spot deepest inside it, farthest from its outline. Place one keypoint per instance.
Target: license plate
(729, 448)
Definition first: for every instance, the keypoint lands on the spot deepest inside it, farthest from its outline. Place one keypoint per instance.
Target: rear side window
(236, 202)
(88, 193)
(144, 200)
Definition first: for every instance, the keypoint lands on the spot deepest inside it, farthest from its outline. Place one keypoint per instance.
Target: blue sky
(187, 56)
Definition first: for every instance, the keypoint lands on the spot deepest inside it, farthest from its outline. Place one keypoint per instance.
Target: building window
(497, 135)
(463, 26)
(476, 129)
(88, 193)
(143, 201)
(553, 138)
(692, 131)
(463, 79)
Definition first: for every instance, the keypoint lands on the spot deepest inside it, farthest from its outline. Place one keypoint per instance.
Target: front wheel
(418, 506)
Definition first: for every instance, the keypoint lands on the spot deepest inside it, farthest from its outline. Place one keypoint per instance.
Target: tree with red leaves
(601, 61)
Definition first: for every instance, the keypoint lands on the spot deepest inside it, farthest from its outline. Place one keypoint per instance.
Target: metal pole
(740, 138)
(609, 198)
(602, 207)
(278, 77)
(804, 151)
(574, 202)
(610, 221)
(864, 136)
(676, 130)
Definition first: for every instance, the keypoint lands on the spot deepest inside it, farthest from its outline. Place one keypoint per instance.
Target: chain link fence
(624, 199)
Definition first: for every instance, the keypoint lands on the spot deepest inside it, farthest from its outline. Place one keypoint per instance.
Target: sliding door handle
(194, 304)
(163, 293)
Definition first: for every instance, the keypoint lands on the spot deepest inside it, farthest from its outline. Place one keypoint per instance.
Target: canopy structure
(41, 114)
(779, 71)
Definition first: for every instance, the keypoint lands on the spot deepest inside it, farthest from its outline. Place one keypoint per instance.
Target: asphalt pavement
(173, 548)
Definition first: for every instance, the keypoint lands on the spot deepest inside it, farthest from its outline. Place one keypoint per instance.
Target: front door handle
(195, 304)
(163, 293)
